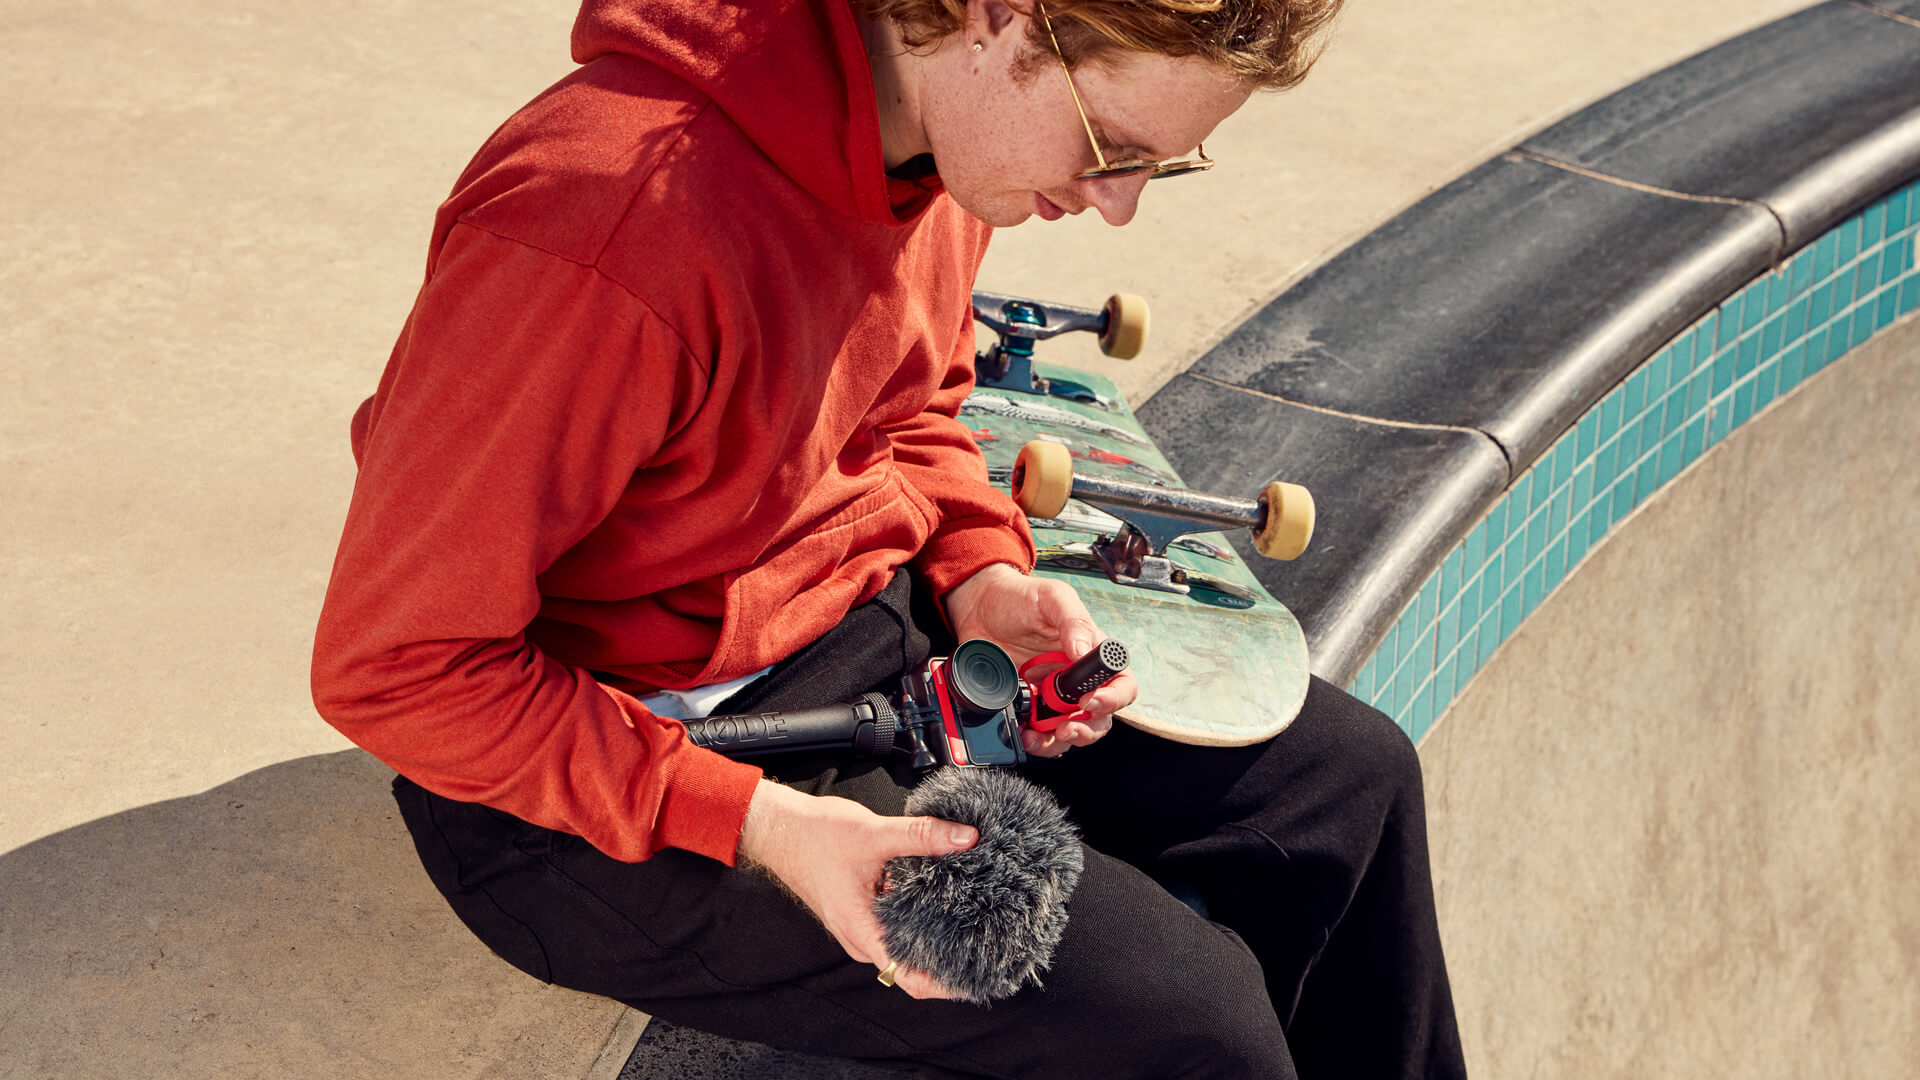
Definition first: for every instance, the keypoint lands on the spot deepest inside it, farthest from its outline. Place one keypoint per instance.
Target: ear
(993, 18)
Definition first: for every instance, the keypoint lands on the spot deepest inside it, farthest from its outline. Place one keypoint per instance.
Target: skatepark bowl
(1612, 444)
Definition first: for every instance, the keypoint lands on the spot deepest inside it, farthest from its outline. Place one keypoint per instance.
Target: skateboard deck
(1224, 665)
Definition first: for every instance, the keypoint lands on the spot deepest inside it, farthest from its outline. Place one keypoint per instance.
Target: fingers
(932, 836)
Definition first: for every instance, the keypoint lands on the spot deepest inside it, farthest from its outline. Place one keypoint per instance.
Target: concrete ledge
(1512, 303)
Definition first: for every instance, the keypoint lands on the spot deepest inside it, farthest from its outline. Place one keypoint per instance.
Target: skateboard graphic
(1219, 661)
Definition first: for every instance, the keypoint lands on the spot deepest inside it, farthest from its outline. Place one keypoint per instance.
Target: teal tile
(1579, 536)
(1610, 416)
(1497, 524)
(1588, 431)
(1389, 650)
(1772, 336)
(1873, 224)
(1630, 444)
(1673, 457)
(1513, 558)
(1635, 397)
(1600, 516)
(1792, 368)
(1362, 684)
(1866, 276)
(1676, 411)
(1763, 385)
(1556, 566)
(1603, 465)
(1729, 321)
(1699, 390)
(1863, 325)
(1842, 292)
(1537, 536)
(1847, 236)
(1474, 551)
(1519, 501)
(1721, 423)
(1896, 212)
(1909, 295)
(1491, 582)
(1820, 305)
(1754, 307)
(1428, 603)
(1563, 459)
(1723, 369)
(1446, 634)
(1582, 492)
(1468, 660)
(1648, 480)
(1682, 349)
(1450, 575)
(1694, 442)
(1488, 637)
(1704, 333)
(1823, 257)
(1742, 403)
(1421, 662)
(1893, 262)
(1749, 356)
(1443, 685)
(1802, 272)
(1812, 356)
(1558, 512)
(1886, 309)
(1512, 611)
(1796, 319)
(1421, 720)
(1533, 590)
(1469, 602)
(1623, 496)
(1402, 693)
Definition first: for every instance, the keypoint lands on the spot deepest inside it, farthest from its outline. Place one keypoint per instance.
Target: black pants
(1322, 954)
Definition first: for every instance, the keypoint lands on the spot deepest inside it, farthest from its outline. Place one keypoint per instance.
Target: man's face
(1009, 144)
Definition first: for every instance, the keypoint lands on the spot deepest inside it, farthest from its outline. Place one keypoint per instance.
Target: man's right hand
(830, 853)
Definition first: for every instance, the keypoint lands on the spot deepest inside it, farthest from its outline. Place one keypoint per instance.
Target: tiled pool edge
(1731, 364)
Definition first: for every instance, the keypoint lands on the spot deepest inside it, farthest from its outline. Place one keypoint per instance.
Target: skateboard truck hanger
(1153, 517)
(1121, 326)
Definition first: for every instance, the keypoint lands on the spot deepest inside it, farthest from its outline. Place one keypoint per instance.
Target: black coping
(1814, 115)
(1390, 501)
(1508, 301)
(1498, 310)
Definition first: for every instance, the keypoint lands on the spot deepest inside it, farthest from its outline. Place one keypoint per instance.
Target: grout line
(1359, 417)
(1635, 185)
(1885, 14)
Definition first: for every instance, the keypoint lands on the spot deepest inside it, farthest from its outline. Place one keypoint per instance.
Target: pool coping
(1676, 238)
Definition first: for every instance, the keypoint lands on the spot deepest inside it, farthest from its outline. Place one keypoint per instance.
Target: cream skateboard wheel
(1288, 527)
(1126, 332)
(1042, 479)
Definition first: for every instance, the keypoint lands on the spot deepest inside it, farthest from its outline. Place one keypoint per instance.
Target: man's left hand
(1028, 616)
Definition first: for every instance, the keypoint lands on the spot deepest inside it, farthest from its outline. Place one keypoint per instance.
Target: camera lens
(982, 676)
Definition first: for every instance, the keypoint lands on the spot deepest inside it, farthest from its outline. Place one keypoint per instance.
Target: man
(672, 424)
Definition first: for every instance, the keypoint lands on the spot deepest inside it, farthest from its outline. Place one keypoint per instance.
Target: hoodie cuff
(705, 805)
(963, 548)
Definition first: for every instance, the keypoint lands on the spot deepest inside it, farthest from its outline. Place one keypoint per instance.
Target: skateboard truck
(1008, 365)
(1152, 518)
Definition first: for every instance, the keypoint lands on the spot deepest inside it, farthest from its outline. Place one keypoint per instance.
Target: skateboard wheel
(1042, 479)
(1288, 526)
(1126, 332)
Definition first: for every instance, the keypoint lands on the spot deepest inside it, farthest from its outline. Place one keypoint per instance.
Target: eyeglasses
(1157, 170)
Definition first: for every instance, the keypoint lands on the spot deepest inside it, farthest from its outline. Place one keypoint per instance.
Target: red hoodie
(678, 392)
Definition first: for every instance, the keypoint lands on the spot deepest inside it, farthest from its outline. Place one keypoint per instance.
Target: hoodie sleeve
(979, 524)
(522, 396)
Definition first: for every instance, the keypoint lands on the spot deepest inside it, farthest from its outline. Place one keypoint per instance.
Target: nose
(1117, 198)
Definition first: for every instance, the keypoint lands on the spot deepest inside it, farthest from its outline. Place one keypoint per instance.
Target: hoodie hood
(792, 75)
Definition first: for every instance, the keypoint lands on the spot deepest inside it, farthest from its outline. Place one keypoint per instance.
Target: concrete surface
(216, 213)
(1673, 823)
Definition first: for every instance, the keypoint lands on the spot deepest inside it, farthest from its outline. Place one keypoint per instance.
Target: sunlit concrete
(1673, 822)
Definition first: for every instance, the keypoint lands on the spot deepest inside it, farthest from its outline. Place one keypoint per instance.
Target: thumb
(933, 836)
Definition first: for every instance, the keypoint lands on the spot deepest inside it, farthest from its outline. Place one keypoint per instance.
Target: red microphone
(1057, 695)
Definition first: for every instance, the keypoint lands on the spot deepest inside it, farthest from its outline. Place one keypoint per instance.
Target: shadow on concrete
(276, 925)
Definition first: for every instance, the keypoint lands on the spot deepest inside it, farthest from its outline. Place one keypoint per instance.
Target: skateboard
(1219, 661)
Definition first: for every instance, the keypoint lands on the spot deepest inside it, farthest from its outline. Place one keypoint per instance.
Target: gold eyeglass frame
(1160, 170)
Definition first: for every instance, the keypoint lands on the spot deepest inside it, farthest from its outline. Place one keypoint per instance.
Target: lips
(1046, 208)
